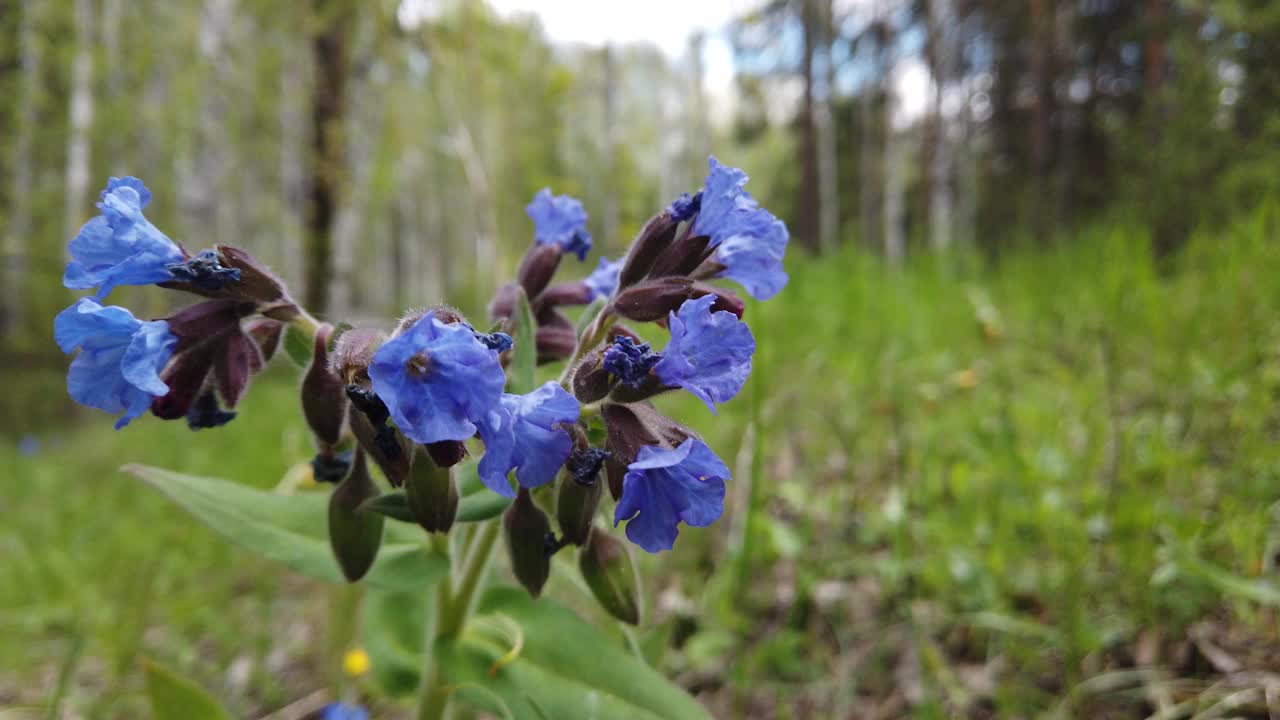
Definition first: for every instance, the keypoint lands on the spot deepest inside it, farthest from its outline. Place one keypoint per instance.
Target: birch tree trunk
(894, 184)
(941, 200)
(81, 119)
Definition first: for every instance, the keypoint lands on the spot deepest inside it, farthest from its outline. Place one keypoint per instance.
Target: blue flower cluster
(178, 366)
(422, 398)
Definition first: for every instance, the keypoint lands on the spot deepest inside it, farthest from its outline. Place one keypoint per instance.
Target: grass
(1042, 489)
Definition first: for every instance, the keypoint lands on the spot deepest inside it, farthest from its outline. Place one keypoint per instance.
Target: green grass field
(1043, 489)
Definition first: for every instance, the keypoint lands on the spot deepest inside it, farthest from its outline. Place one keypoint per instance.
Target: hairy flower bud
(591, 381)
(555, 343)
(504, 301)
(354, 534)
(353, 353)
(431, 493)
(526, 529)
(390, 449)
(235, 362)
(607, 568)
(579, 493)
(652, 300)
(324, 397)
(654, 238)
(266, 333)
(682, 257)
(575, 293)
(538, 267)
(257, 282)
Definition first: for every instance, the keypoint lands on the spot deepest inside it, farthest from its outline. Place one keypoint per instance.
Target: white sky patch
(668, 24)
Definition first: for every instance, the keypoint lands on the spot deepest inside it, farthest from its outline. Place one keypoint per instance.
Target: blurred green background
(1009, 449)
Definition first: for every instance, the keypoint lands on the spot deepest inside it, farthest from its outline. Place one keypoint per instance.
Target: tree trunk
(19, 225)
(808, 198)
(872, 140)
(330, 47)
(1041, 116)
(824, 120)
(895, 245)
(609, 219)
(81, 119)
(941, 54)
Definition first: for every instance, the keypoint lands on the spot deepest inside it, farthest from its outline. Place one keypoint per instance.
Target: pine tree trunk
(941, 200)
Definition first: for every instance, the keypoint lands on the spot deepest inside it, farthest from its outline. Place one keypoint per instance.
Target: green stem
(448, 614)
(591, 337)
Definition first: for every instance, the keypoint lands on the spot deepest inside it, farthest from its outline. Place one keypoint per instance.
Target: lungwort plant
(469, 447)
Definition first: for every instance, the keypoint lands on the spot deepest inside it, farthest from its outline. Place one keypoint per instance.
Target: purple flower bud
(235, 362)
(266, 333)
(324, 396)
(653, 300)
(629, 428)
(574, 293)
(591, 380)
(504, 301)
(653, 239)
(554, 343)
(353, 353)
(537, 268)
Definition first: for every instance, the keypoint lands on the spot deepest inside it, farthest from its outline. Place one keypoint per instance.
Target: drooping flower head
(560, 220)
(630, 361)
(604, 279)
(118, 368)
(709, 354)
(120, 246)
(665, 487)
(527, 437)
(749, 241)
(437, 380)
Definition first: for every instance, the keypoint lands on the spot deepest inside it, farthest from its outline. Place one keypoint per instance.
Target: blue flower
(749, 241)
(685, 206)
(118, 368)
(560, 220)
(343, 711)
(630, 361)
(709, 354)
(437, 380)
(664, 487)
(604, 279)
(120, 246)
(526, 436)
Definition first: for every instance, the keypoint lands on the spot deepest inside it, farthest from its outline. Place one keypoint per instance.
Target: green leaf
(392, 631)
(564, 668)
(174, 697)
(393, 505)
(477, 502)
(291, 529)
(298, 345)
(524, 354)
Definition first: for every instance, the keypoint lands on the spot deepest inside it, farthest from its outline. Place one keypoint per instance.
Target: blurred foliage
(966, 492)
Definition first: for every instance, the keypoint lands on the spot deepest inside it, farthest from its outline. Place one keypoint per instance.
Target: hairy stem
(455, 599)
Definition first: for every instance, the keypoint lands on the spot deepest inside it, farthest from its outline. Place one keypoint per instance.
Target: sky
(668, 25)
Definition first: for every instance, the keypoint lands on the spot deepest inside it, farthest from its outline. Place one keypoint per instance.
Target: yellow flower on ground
(356, 662)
